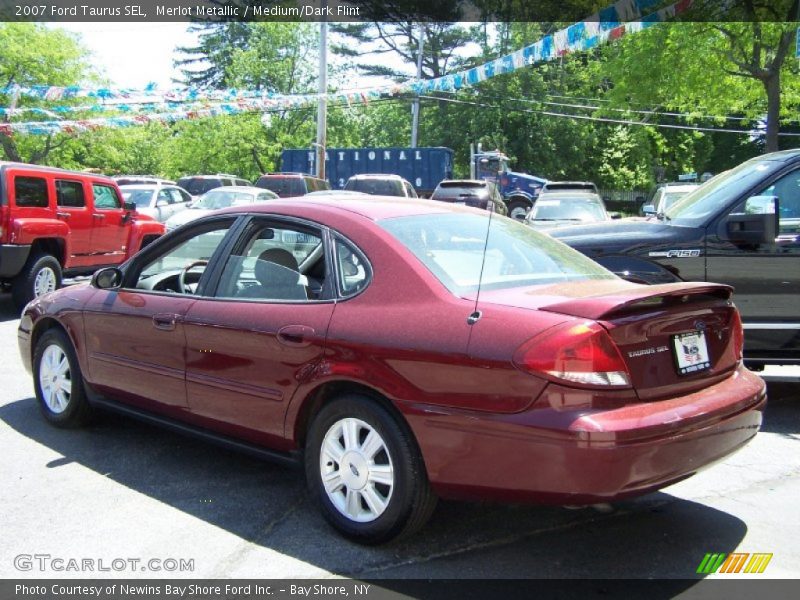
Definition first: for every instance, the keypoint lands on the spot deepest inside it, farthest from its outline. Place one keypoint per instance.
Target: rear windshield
(454, 192)
(451, 246)
(567, 209)
(379, 187)
(140, 197)
(197, 186)
(283, 186)
(551, 187)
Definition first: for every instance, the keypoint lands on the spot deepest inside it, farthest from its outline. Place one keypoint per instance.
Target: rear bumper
(12, 259)
(584, 456)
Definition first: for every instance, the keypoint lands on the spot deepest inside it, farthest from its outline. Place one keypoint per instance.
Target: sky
(134, 54)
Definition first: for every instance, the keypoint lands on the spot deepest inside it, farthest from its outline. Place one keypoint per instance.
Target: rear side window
(353, 269)
(31, 191)
(70, 194)
(105, 198)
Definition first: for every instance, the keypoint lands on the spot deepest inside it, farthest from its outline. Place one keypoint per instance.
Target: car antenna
(476, 314)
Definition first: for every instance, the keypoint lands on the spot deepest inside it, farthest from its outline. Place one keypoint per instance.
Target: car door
(110, 228)
(135, 338)
(766, 277)
(259, 336)
(71, 208)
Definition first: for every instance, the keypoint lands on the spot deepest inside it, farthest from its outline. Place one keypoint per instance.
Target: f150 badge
(677, 253)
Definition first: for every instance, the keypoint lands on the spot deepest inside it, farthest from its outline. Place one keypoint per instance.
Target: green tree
(36, 55)
(707, 68)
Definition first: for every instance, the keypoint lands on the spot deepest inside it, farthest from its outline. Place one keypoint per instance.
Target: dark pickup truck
(741, 228)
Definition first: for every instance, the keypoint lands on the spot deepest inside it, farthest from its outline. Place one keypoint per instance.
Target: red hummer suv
(55, 222)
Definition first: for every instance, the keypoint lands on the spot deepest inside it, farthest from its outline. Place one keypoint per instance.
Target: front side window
(180, 268)
(787, 190)
(279, 262)
(105, 198)
(165, 196)
(452, 246)
(696, 207)
(31, 191)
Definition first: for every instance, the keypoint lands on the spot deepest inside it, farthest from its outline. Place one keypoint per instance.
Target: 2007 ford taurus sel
(404, 351)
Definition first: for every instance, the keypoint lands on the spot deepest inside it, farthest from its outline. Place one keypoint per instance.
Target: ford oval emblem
(700, 325)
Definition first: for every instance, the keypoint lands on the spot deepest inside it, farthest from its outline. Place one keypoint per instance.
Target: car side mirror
(129, 205)
(758, 224)
(109, 278)
(649, 210)
(615, 215)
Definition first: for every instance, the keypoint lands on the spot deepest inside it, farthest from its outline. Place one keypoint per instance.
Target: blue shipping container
(423, 167)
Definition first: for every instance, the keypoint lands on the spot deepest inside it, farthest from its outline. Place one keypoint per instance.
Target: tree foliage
(595, 115)
(35, 55)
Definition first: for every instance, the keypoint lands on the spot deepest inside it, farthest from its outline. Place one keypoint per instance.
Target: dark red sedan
(403, 351)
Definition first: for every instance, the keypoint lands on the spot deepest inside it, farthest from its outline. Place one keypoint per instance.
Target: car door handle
(62, 215)
(165, 321)
(98, 216)
(296, 335)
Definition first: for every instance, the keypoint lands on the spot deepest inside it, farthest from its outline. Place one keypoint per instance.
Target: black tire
(77, 411)
(23, 289)
(521, 207)
(411, 501)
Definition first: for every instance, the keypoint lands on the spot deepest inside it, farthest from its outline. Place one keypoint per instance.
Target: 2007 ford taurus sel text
(403, 351)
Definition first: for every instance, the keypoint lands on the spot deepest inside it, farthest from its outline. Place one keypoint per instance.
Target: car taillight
(580, 353)
(738, 335)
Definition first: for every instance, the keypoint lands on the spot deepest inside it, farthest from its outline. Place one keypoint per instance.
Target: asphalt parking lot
(122, 489)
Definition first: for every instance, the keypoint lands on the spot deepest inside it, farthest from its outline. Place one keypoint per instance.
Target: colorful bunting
(149, 105)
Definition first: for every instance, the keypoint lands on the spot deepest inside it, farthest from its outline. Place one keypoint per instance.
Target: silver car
(558, 209)
(156, 200)
(221, 197)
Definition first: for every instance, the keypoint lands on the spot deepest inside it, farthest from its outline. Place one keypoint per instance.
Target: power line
(609, 120)
(623, 110)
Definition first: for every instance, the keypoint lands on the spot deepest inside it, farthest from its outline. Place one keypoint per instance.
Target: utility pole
(322, 103)
(415, 107)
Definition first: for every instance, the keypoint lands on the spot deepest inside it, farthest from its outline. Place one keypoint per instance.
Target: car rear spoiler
(641, 297)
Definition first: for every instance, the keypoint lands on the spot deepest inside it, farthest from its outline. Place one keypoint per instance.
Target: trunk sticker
(691, 352)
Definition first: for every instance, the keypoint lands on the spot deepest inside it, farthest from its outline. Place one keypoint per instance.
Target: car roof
(377, 176)
(577, 194)
(290, 175)
(464, 182)
(239, 188)
(680, 187)
(146, 186)
(54, 170)
(371, 207)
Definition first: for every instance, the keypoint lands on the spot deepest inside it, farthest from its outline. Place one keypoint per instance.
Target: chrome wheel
(55, 379)
(356, 470)
(44, 282)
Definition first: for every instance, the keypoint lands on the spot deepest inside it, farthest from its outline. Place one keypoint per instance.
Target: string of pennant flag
(141, 106)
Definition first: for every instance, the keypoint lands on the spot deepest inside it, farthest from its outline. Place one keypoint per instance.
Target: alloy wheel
(356, 470)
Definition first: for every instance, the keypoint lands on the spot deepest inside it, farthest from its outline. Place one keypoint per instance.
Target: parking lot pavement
(123, 489)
